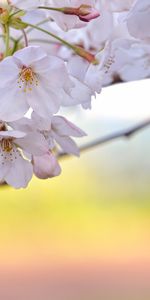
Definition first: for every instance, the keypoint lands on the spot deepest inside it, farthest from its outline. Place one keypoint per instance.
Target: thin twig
(25, 37)
(126, 133)
(31, 29)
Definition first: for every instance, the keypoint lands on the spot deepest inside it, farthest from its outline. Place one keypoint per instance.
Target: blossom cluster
(55, 54)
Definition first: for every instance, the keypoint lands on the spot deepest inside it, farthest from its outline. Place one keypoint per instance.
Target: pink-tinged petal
(23, 124)
(81, 93)
(42, 65)
(67, 144)
(68, 100)
(29, 55)
(26, 5)
(8, 72)
(56, 75)
(4, 166)
(20, 173)
(77, 67)
(64, 127)
(46, 166)
(12, 134)
(33, 143)
(13, 103)
(65, 22)
(138, 19)
(93, 78)
(41, 123)
(44, 101)
(119, 5)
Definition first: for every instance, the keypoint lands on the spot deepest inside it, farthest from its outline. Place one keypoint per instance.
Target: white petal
(27, 4)
(44, 101)
(23, 124)
(64, 127)
(4, 167)
(55, 72)
(8, 72)
(29, 55)
(77, 67)
(20, 173)
(13, 103)
(80, 94)
(33, 143)
(12, 134)
(41, 123)
(67, 144)
(14, 169)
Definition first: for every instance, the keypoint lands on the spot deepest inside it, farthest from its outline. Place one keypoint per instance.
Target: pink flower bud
(85, 12)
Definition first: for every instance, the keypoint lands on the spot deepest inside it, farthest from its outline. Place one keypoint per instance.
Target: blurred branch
(126, 133)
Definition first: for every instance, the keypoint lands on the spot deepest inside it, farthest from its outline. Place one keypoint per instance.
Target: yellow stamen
(27, 78)
(6, 145)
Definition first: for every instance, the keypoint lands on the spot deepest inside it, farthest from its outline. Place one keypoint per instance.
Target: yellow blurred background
(94, 217)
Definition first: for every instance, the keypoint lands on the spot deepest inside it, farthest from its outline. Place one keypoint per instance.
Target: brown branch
(126, 133)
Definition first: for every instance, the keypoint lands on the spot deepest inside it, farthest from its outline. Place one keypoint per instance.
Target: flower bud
(85, 12)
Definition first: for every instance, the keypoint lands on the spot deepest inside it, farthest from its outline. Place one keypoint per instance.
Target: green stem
(7, 39)
(15, 47)
(11, 38)
(60, 9)
(15, 13)
(15, 42)
(78, 50)
(45, 41)
(52, 35)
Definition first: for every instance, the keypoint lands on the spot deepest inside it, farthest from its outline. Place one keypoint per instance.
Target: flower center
(27, 78)
(6, 145)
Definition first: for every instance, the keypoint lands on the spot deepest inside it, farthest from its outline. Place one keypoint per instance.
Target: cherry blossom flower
(45, 165)
(61, 131)
(51, 56)
(91, 37)
(14, 168)
(132, 60)
(88, 78)
(35, 80)
(56, 130)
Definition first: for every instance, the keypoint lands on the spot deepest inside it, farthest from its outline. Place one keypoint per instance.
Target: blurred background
(86, 234)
